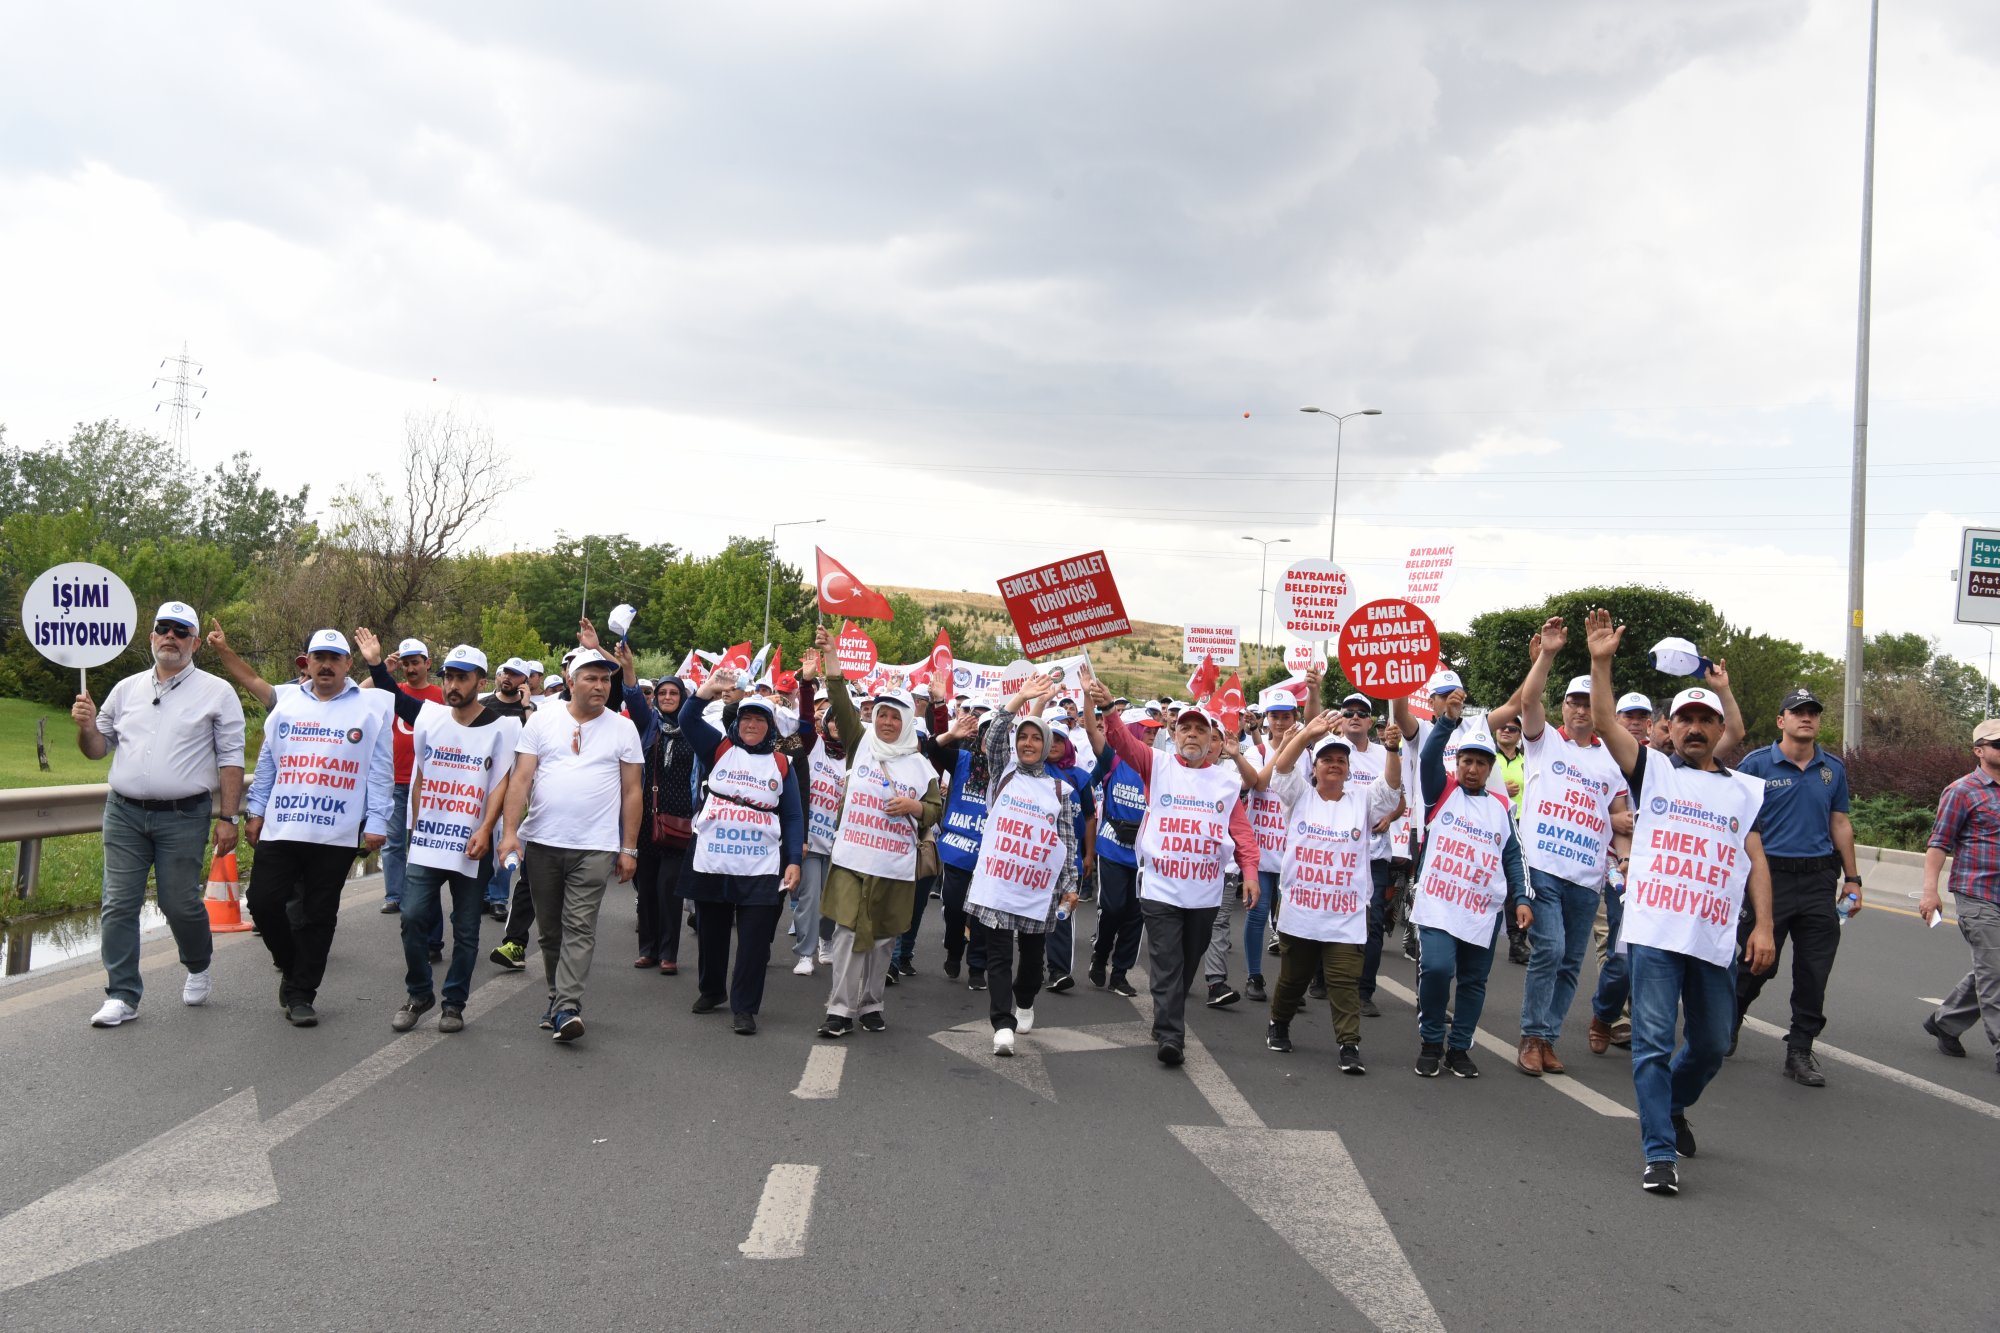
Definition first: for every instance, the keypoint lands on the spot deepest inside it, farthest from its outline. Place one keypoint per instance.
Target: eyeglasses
(167, 627)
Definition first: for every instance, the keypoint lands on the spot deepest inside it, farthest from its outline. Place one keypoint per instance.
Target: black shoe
(1683, 1137)
(1273, 949)
(1661, 1178)
(1253, 991)
(1802, 1069)
(951, 966)
(1220, 996)
(975, 978)
(1120, 986)
(1733, 1034)
(1350, 1060)
(437, 954)
(1370, 1009)
(301, 1015)
(874, 1022)
(1170, 1054)
(707, 1004)
(1460, 1064)
(1429, 1058)
(1410, 943)
(1278, 1036)
(392, 909)
(889, 975)
(451, 1019)
(1065, 982)
(412, 1010)
(833, 1025)
(745, 1025)
(1096, 974)
(1518, 951)
(906, 969)
(1947, 1043)
(1316, 988)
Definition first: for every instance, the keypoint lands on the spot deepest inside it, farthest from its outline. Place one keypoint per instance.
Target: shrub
(1890, 820)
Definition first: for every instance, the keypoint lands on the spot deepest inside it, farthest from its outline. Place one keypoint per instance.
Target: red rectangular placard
(1065, 604)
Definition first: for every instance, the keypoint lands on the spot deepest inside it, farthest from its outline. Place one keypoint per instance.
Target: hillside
(1145, 663)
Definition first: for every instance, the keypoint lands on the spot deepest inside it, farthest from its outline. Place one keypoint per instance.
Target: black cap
(1801, 700)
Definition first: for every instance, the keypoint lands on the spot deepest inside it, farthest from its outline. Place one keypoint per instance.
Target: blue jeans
(1256, 919)
(1445, 958)
(1668, 1082)
(423, 888)
(1614, 979)
(1058, 948)
(805, 903)
(500, 887)
(1560, 936)
(396, 849)
(170, 844)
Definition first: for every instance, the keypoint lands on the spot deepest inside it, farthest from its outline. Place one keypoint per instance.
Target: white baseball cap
(1444, 682)
(1577, 685)
(518, 667)
(412, 648)
(553, 685)
(1634, 703)
(1679, 657)
(1276, 698)
(589, 657)
(620, 620)
(1697, 698)
(534, 668)
(466, 658)
(180, 613)
(1340, 743)
(328, 641)
(1479, 740)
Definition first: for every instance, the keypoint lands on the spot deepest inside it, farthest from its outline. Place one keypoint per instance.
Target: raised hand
(216, 638)
(1717, 675)
(1602, 636)
(586, 633)
(1555, 635)
(1392, 735)
(367, 642)
(809, 664)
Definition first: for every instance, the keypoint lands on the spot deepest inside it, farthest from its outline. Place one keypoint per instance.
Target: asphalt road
(214, 1168)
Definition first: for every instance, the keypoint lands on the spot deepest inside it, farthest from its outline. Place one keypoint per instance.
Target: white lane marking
(973, 1040)
(1229, 1105)
(1932, 1000)
(783, 1213)
(821, 1081)
(1306, 1187)
(208, 1168)
(1567, 1086)
(1889, 1072)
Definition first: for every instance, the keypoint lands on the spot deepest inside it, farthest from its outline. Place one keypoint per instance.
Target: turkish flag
(1228, 703)
(783, 681)
(693, 671)
(1202, 683)
(939, 668)
(841, 594)
(737, 658)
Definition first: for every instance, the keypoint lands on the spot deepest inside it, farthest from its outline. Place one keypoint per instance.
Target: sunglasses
(1508, 726)
(1355, 712)
(172, 630)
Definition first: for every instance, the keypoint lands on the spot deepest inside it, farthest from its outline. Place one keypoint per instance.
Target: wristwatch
(1854, 879)
(628, 851)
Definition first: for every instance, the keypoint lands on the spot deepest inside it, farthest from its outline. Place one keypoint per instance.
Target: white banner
(1314, 599)
(1299, 656)
(1219, 642)
(1428, 573)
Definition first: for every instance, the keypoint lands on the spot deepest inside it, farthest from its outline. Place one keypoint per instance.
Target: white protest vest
(1267, 817)
(737, 831)
(1685, 885)
(1021, 849)
(459, 766)
(1566, 807)
(1464, 885)
(825, 775)
(1184, 845)
(1326, 881)
(871, 840)
(323, 751)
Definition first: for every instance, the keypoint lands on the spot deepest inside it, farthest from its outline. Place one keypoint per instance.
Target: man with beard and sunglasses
(323, 780)
(175, 736)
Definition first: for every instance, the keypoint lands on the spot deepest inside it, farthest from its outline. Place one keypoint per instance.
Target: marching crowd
(736, 808)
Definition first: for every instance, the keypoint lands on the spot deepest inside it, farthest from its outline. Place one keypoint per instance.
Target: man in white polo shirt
(323, 782)
(573, 814)
(1695, 856)
(175, 735)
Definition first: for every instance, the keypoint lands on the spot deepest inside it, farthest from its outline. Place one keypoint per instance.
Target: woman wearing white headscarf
(1027, 860)
(889, 797)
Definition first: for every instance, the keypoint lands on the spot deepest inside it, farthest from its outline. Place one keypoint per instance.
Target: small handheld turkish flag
(1228, 703)
(841, 594)
(941, 667)
(736, 659)
(1202, 683)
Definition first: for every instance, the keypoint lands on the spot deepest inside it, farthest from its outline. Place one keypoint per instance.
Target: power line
(186, 395)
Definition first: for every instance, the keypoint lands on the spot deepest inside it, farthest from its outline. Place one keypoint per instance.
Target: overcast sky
(989, 285)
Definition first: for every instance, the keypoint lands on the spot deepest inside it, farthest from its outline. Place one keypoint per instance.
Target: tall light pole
(1262, 566)
(1857, 519)
(771, 565)
(1339, 426)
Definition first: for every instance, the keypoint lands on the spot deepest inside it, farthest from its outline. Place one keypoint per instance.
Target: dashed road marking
(784, 1213)
(821, 1080)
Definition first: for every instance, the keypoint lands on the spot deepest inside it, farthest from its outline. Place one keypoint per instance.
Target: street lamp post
(771, 565)
(1857, 519)
(1339, 426)
(1262, 566)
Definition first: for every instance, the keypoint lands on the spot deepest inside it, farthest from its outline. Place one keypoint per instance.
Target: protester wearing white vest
(1194, 817)
(1325, 878)
(1572, 794)
(1027, 862)
(572, 814)
(323, 780)
(1472, 872)
(1695, 855)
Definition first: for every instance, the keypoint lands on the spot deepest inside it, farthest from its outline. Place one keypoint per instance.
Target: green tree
(504, 632)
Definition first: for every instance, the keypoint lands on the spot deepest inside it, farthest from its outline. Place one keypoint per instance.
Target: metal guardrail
(29, 814)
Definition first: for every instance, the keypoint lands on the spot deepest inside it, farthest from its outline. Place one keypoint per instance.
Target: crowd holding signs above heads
(840, 794)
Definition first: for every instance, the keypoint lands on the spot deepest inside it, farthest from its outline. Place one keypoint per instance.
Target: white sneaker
(198, 986)
(1003, 1041)
(803, 968)
(825, 958)
(114, 1012)
(1024, 1020)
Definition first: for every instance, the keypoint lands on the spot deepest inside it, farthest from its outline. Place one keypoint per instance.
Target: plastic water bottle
(513, 861)
(1062, 914)
(1845, 904)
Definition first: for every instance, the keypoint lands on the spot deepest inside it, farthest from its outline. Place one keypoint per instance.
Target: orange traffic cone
(225, 910)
